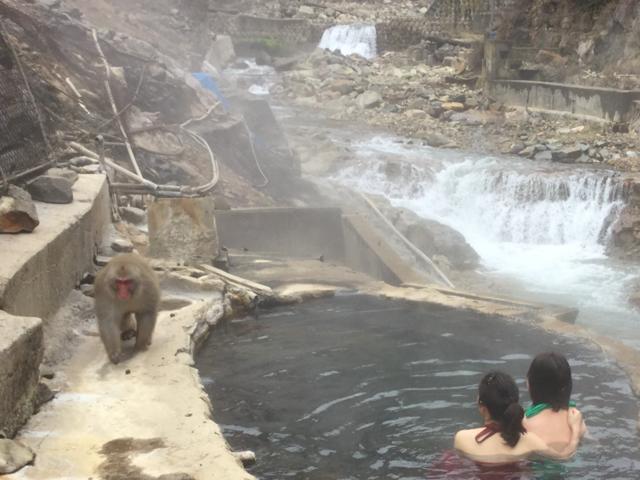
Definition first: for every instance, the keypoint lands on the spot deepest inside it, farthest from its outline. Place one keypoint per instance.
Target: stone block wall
(21, 350)
(248, 27)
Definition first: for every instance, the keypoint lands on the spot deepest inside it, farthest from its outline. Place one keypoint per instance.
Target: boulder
(342, 86)
(133, 214)
(17, 212)
(545, 156)
(369, 99)
(221, 52)
(64, 173)
(435, 139)
(51, 189)
(121, 245)
(455, 106)
(433, 238)
(183, 229)
(263, 58)
(14, 456)
(528, 151)
(567, 154)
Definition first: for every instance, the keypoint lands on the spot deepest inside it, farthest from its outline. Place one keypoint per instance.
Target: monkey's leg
(146, 323)
(128, 327)
(109, 327)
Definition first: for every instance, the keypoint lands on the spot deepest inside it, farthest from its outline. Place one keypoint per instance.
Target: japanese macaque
(125, 287)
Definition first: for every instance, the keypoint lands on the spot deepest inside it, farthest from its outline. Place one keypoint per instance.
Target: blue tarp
(208, 82)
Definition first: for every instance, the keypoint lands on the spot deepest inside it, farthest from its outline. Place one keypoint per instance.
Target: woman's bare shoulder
(466, 437)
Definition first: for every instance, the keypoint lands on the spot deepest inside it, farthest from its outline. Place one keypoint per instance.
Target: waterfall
(484, 198)
(350, 39)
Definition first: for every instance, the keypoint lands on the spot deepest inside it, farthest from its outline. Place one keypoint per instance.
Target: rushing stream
(541, 224)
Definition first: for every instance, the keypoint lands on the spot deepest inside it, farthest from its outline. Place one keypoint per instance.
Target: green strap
(533, 410)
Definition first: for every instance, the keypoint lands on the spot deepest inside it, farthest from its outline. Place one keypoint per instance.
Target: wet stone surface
(363, 388)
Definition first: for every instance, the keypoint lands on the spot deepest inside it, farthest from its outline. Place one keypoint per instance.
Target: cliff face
(594, 42)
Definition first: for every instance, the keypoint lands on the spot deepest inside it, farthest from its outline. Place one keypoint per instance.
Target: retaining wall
(37, 272)
(365, 251)
(249, 27)
(311, 232)
(294, 232)
(39, 269)
(603, 104)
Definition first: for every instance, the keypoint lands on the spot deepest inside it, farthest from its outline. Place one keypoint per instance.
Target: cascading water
(540, 223)
(351, 39)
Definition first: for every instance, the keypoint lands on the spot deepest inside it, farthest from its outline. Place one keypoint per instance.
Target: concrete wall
(605, 104)
(445, 18)
(297, 232)
(21, 352)
(366, 251)
(39, 269)
(248, 27)
(311, 232)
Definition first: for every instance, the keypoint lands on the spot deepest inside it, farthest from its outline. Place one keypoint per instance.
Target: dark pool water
(363, 388)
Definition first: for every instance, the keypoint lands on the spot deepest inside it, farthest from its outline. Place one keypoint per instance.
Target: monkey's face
(124, 282)
(124, 288)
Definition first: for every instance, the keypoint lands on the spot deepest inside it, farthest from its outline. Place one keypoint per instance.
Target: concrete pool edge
(154, 397)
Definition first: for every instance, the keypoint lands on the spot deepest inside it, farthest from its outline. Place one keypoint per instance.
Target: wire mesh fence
(22, 146)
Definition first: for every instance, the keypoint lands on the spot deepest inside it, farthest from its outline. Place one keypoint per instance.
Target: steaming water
(541, 224)
(363, 388)
(257, 79)
(351, 39)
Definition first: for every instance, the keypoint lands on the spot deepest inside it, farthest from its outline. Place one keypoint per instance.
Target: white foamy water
(542, 225)
(351, 39)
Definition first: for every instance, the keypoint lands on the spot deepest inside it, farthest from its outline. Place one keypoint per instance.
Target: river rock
(343, 86)
(567, 154)
(454, 106)
(221, 52)
(133, 214)
(17, 211)
(545, 156)
(121, 245)
(263, 58)
(432, 237)
(369, 99)
(64, 173)
(14, 456)
(183, 229)
(435, 139)
(51, 189)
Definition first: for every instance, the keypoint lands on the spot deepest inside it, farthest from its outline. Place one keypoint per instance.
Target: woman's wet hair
(549, 379)
(498, 392)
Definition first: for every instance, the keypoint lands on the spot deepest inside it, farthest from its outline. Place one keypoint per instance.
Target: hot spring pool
(356, 387)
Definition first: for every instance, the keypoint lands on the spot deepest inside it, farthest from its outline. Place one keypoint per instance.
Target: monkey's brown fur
(114, 313)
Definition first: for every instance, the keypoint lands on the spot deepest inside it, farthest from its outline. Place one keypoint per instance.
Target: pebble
(121, 245)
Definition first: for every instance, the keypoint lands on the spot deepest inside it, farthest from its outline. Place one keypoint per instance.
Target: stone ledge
(39, 269)
(21, 351)
(152, 406)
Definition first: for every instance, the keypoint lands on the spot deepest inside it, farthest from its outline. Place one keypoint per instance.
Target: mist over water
(542, 225)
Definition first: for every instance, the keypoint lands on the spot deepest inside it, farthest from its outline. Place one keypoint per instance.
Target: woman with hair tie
(550, 385)
(503, 438)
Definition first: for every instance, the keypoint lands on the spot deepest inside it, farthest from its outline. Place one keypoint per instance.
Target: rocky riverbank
(430, 93)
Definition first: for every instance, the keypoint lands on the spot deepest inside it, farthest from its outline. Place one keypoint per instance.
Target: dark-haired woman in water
(502, 438)
(550, 385)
